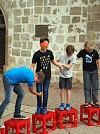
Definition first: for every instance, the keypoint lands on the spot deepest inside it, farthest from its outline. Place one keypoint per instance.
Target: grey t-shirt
(63, 58)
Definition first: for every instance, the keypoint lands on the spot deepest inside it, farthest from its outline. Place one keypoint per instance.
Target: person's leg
(68, 92)
(20, 92)
(95, 86)
(8, 90)
(62, 95)
(68, 95)
(62, 91)
(39, 98)
(46, 84)
(87, 86)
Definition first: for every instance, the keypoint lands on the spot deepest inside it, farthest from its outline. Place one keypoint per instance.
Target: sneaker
(87, 104)
(38, 110)
(68, 107)
(61, 106)
(96, 105)
(0, 124)
(20, 117)
(44, 110)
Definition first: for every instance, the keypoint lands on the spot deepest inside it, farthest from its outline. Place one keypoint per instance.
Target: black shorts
(65, 83)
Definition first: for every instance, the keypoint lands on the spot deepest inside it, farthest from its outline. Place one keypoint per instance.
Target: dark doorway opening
(2, 42)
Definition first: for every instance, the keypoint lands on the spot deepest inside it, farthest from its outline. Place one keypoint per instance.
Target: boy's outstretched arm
(57, 64)
(34, 91)
(32, 66)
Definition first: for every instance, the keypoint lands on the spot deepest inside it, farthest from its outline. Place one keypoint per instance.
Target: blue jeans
(8, 90)
(45, 88)
(91, 85)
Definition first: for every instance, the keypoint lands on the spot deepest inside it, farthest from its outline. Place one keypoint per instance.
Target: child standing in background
(90, 73)
(65, 76)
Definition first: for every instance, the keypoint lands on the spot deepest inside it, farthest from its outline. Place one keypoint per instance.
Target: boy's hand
(40, 94)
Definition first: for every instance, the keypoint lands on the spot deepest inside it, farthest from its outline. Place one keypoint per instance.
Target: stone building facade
(68, 22)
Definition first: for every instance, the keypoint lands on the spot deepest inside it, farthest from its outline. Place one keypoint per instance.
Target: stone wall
(69, 22)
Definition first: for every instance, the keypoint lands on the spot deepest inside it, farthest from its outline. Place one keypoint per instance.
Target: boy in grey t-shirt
(65, 76)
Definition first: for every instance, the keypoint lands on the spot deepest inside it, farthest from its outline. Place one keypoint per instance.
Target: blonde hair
(88, 45)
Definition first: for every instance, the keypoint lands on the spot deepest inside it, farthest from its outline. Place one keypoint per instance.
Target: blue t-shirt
(20, 75)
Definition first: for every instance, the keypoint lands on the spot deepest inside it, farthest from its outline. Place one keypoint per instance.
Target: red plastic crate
(17, 125)
(90, 116)
(2, 130)
(66, 119)
(43, 124)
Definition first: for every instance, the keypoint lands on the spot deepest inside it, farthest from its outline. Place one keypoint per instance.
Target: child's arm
(34, 92)
(32, 66)
(98, 64)
(67, 66)
(57, 64)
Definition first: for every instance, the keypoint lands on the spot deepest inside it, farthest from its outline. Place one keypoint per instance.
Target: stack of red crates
(17, 125)
(43, 124)
(90, 116)
(66, 119)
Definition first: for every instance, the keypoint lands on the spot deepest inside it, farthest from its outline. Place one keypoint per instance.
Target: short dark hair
(41, 76)
(44, 38)
(70, 49)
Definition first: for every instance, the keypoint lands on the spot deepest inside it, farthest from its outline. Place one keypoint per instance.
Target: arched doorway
(2, 41)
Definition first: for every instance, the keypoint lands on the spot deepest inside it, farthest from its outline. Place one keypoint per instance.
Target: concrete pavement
(29, 107)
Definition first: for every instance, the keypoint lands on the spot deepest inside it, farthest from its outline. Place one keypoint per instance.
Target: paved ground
(29, 106)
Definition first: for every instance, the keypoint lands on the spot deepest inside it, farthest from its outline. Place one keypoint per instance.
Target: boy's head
(70, 50)
(44, 41)
(88, 46)
(39, 77)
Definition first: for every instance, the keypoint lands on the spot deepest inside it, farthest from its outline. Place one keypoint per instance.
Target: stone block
(11, 61)
(26, 53)
(47, 10)
(61, 2)
(16, 52)
(30, 3)
(75, 11)
(89, 17)
(38, 2)
(75, 19)
(17, 12)
(17, 44)
(97, 26)
(38, 10)
(71, 39)
(94, 36)
(26, 11)
(17, 20)
(24, 19)
(16, 36)
(65, 19)
(82, 38)
(95, 8)
(84, 11)
(90, 26)
(17, 28)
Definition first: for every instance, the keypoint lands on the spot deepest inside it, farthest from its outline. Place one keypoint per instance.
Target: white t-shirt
(63, 58)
